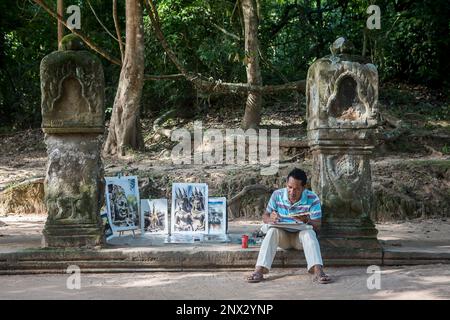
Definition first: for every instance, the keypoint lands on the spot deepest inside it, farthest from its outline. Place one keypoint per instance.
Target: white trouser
(286, 240)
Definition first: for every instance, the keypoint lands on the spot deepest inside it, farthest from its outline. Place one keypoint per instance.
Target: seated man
(293, 199)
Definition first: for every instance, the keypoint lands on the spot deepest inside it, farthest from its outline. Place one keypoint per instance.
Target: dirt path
(418, 282)
(412, 282)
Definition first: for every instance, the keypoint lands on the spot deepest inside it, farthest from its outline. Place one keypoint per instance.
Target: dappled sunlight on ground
(408, 282)
(418, 232)
(412, 282)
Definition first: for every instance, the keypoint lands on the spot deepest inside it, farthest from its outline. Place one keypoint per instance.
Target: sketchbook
(291, 226)
(300, 214)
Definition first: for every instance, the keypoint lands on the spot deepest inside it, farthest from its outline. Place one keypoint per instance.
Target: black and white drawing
(217, 215)
(154, 216)
(122, 202)
(189, 208)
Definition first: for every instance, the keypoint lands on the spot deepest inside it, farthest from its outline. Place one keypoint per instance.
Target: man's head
(295, 184)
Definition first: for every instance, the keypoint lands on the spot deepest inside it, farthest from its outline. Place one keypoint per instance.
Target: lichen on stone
(71, 42)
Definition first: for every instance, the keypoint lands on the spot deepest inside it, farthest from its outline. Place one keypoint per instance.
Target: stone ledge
(196, 258)
(43, 261)
(409, 256)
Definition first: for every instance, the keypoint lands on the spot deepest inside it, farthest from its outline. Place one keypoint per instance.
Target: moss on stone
(83, 58)
(71, 42)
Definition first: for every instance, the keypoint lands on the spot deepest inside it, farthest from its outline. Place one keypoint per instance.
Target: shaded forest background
(411, 165)
(411, 48)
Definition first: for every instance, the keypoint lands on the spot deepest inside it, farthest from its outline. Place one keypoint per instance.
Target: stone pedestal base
(74, 188)
(350, 238)
(87, 235)
(341, 248)
(348, 228)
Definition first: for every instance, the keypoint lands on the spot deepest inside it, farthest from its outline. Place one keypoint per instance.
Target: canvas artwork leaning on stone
(122, 202)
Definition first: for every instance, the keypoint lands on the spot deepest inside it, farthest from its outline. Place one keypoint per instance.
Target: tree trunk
(319, 37)
(60, 9)
(124, 127)
(252, 116)
(364, 49)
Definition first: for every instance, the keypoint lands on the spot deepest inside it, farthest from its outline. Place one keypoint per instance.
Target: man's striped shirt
(309, 202)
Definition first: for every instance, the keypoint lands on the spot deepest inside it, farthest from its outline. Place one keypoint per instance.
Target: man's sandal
(322, 279)
(255, 277)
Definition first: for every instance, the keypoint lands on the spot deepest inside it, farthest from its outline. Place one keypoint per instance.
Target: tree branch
(236, 5)
(226, 32)
(154, 18)
(116, 25)
(285, 19)
(165, 77)
(209, 84)
(100, 22)
(79, 34)
(225, 87)
(254, 187)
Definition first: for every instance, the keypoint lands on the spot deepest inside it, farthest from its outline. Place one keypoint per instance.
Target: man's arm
(315, 223)
(265, 217)
(272, 218)
(270, 215)
(315, 218)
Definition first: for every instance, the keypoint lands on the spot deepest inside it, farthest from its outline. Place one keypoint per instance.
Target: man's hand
(304, 219)
(274, 217)
(316, 224)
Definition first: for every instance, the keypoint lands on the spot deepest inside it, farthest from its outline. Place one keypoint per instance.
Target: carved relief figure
(189, 204)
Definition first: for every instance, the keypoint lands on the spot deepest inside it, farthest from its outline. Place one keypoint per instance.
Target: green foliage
(446, 149)
(23, 43)
(200, 46)
(415, 41)
(207, 36)
(27, 34)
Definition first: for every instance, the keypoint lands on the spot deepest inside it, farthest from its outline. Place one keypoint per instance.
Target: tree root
(234, 204)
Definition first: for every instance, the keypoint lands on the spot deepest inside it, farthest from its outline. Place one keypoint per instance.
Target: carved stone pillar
(342, 93)
(72, 87)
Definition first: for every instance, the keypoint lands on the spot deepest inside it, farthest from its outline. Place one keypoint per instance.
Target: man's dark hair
(298, 174)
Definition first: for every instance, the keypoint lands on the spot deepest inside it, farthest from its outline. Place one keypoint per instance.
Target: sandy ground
(417, 282)
(411, 282)
(19, 232)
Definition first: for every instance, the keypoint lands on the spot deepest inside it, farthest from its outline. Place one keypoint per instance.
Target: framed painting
(122, 202)
(154, 216)
(217, 215)
(189, 208)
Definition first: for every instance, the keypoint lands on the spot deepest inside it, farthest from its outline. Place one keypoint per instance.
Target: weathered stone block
(72, 87)
(342, 95)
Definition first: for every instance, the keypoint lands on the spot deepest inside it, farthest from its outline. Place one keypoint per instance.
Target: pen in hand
(274, 217)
